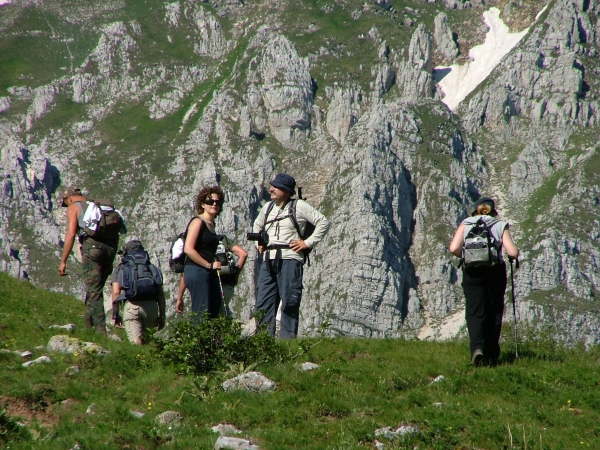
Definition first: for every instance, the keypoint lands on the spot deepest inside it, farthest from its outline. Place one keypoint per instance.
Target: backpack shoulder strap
(120, 276)
(268, 211)
(497, 242)
(292, 214)
(187, 227)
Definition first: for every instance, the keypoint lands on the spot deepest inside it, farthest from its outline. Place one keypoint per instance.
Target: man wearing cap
(97, 256)
(280, 274)
(143, 311)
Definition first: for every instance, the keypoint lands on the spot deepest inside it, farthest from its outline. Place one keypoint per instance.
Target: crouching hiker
(97, 224)
(478, 241)
(285, 230)
(137, 283)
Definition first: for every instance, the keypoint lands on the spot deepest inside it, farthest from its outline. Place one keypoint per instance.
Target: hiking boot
(477, 358)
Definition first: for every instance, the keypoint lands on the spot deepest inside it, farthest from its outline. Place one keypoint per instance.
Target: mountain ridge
(173, 96)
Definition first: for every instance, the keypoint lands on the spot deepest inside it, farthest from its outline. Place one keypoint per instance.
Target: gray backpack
(480, 248)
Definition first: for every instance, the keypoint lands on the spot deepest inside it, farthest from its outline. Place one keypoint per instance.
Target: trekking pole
(222, 291)
(512, 287)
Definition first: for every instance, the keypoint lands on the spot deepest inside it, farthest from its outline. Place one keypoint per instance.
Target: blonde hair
(485, 210)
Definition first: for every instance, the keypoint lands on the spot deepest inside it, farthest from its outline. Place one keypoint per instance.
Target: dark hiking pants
(484, 289)
(205, 291)
(280, 281)
(97, 259)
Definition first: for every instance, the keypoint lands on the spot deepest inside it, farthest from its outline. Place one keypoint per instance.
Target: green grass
(38, 49)
(547, 398)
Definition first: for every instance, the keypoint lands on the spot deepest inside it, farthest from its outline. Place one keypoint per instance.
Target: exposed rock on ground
(67, 344)
(251, 381)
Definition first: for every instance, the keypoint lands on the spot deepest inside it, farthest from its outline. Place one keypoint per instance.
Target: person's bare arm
(179, 304)
(457, 241)
(160, 297)
(116, 290)
(241, 254)
(190, 243)
(511, 249)
(72, 212)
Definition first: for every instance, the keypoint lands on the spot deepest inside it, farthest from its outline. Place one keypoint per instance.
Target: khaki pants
(97, 258)
(139, 316)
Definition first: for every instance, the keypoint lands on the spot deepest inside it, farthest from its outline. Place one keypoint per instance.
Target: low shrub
(213, 345)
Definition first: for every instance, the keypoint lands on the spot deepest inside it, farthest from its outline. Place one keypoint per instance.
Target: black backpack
(138, 277)
(309, 229)
(176, 254)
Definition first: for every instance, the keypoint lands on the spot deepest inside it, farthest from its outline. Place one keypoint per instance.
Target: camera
(262, 238)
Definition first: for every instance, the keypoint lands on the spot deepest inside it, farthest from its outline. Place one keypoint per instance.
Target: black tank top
(206, 244)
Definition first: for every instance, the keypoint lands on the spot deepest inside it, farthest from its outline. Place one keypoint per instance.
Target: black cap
(485, 201)
(285, 182)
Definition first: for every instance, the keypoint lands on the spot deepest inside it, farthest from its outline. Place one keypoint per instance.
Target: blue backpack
(138, 277)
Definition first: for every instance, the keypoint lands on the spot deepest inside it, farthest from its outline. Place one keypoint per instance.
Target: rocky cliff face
(146, 102)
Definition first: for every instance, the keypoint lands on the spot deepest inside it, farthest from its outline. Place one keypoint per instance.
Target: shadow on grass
(531, 354)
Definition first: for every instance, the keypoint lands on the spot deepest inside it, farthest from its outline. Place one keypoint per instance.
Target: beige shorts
(138, 316)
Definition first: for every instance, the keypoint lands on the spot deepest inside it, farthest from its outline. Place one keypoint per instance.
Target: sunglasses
(212, 201)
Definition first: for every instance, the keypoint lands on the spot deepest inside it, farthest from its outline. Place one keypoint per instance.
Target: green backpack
(100, 219)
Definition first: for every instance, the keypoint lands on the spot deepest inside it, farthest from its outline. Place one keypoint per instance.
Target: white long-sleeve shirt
(283, 231)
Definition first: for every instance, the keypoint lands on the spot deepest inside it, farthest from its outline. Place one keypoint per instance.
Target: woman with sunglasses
(200, 272)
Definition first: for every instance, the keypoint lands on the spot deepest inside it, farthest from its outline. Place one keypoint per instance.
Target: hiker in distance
(280, 231)
(226, 250)
(200, 272)
(137, 289)
(97, 225)
(478, 241)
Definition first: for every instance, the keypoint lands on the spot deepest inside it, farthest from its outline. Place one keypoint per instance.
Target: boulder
(66, 344)
(234, 443)
(40, 360)
(443, 37)
(251, 381)
(306, 366)
(171, 418)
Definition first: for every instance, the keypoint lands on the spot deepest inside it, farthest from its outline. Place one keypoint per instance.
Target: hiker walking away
(228, 280)
(484, 277)
(97, 255)
(200, 271)
(285, 221)
(137, 287)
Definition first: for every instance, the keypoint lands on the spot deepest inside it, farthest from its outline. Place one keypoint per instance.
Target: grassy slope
(548, 397)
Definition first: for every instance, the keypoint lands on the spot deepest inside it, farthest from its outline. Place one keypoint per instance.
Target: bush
(215, 344)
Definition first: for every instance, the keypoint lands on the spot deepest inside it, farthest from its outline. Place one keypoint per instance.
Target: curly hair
(205, 193)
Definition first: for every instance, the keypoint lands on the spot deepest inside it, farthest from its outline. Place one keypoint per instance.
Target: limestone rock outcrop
(227, 95)
(443, 37)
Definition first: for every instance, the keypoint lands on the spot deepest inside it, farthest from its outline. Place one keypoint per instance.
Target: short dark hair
(205, 193)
